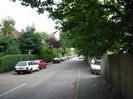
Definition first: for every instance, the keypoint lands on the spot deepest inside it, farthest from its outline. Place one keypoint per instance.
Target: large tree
(30, 41)
(8, 26)
(88, 26)
(99, 25)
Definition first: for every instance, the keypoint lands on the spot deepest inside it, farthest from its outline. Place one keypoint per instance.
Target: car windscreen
(21, 63)
(56, 58)
(97, 63)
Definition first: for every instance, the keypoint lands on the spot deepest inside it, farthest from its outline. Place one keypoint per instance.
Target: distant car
(26, 66)
(62, 59)
(41, 64)
(80, 57)
(56, 60)
(65, 58)
(95, 67)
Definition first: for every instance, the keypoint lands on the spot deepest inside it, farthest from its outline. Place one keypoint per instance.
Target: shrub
(13, 47)
(56, 54)
(8, 62)
(2, 54)
(3, 44)
(46, 54)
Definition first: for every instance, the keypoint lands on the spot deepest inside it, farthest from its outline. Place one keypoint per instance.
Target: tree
(9, 46)
(88, 27)
(30, 42)
(13, 47)
(111, 28)
(41, 5)
(124, 10)
(53, 42)
(8, 26)
(3, 45)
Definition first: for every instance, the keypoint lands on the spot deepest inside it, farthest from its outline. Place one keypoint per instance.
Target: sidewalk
(92, 86)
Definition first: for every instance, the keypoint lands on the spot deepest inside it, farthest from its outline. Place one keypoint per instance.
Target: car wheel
(18, 72)
(38, 69)
(92, 72)
(31, 71)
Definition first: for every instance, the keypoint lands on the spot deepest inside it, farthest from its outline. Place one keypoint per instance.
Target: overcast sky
(25, 16)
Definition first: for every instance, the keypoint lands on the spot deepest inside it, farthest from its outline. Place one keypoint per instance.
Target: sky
(26, 16)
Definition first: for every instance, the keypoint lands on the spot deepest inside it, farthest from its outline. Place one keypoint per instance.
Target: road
(67, 80)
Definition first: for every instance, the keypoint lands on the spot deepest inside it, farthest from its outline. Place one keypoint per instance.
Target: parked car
(62, 59)
(95, 67)
(80, 57)
(56, 60)
(26, 66)
(41, 64)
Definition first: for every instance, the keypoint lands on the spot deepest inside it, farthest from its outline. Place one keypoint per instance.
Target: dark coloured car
(62, 59)
(56, 60)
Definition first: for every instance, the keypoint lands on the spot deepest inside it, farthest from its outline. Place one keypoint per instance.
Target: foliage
(13, 47)
(8, 62)
(8, 26)
(53, 42)
(2, 54)
(30, 41)
(65, 42)
(9, 45)
(93, 26)
(124, 10)
(41, 5)
(3, 44)
(43, 35)
(88, 27)
(46, 54)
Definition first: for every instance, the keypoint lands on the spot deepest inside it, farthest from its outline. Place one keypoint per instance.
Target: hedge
(8, 62)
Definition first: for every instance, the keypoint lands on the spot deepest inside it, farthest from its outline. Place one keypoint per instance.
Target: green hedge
(8, 62)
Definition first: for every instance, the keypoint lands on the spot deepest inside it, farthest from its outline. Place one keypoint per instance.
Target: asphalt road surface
(67, 80)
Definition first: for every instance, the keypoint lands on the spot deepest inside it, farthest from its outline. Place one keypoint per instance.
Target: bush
(56, 54)
(46, 54)
(2, 54)
(13, 47)
(8, 62)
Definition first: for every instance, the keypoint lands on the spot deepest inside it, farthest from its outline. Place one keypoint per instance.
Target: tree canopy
(52, 42)
(8, 26)
(88, 26)
(93, 26)
(30, 41)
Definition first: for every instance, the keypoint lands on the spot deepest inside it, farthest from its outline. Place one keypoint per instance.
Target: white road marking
(77, 85)
(13, 89)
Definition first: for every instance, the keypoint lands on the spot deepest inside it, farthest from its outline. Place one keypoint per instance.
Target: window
(22, 63)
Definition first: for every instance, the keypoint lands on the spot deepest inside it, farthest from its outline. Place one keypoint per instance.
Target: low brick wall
(118, 71)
